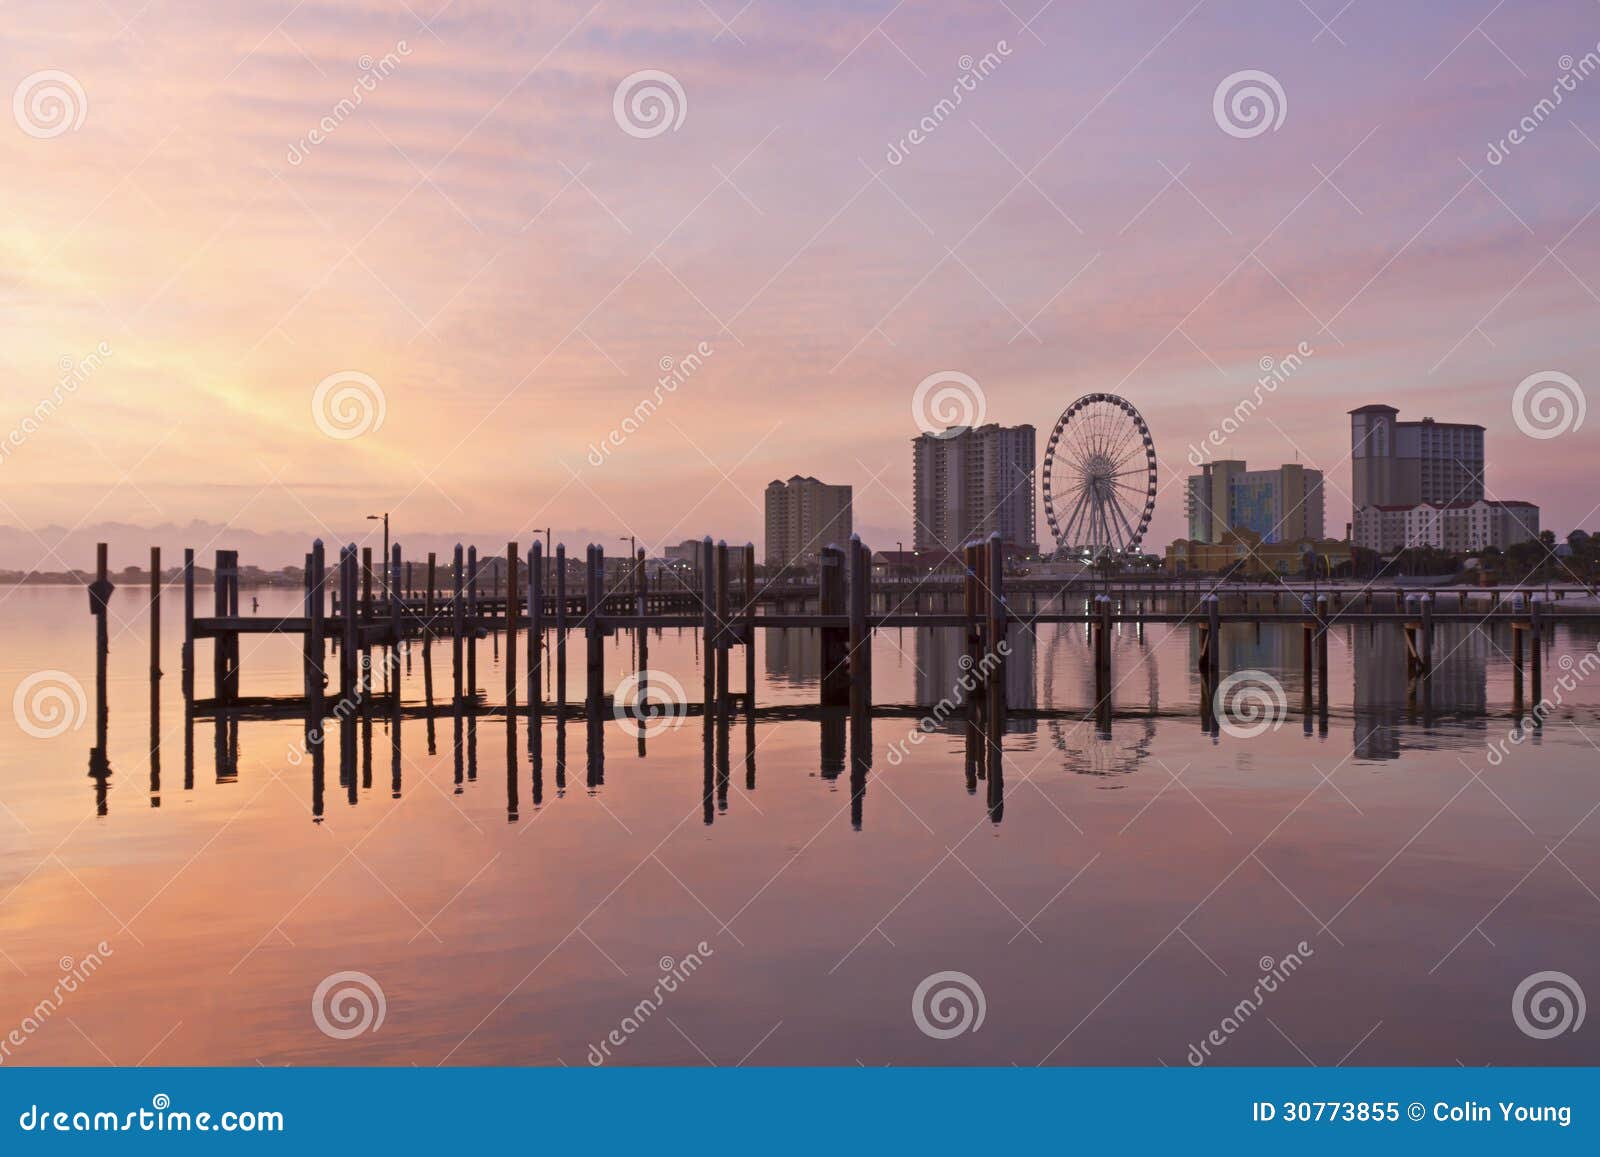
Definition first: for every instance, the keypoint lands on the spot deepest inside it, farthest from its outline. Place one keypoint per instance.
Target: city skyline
(518, 284)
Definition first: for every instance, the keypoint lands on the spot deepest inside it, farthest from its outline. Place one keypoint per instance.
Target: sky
(275, 266)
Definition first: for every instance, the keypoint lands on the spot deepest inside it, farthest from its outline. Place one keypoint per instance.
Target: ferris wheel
(1099, 478)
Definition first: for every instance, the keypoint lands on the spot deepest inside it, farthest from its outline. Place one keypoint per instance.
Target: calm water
(519, 897)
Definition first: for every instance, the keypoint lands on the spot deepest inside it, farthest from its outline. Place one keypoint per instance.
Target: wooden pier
(355, 610)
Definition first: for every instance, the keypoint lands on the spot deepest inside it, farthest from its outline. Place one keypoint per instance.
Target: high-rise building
(1283, 504)
(969, 482)
(1422, 484)
(1396, 463)
(803, 516)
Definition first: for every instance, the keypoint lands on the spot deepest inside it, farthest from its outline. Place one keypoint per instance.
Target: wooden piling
(997, 599)
(1308, 647)
(560, 644)
(316, 680)
(513, 590)
(535, 622)
(366, 586)
(1536, 657)
(859, 643)
(835, 651)
(155, 624)
(225, 644)
(188, 624)
(561, 591)
(428, 598)
(708, 623)
(1517, 631)
(396, 589)
(349, 596)
(1214, 637)
(594, 632)
(750, 637)
(471, 625)
(99, 606)
(723, 638)
(1322, 654)
(458, 616)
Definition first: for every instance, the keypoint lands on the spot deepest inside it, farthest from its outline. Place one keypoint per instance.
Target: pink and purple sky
(483, 240)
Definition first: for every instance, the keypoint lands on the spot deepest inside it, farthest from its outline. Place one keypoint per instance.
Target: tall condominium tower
(803, 516)
(1396, 463)
(971, 481)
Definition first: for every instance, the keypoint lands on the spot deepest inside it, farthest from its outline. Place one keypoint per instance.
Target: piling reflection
(1094, 685)
(1386, 696)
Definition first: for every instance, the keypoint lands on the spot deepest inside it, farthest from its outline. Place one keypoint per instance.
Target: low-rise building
(1456, 527)
(1245, 550)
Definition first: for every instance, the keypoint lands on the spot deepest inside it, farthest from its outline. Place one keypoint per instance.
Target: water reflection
(1385, 695)
(1096, 728)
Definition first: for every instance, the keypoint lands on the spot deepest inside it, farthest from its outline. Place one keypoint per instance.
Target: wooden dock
(352, 609)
